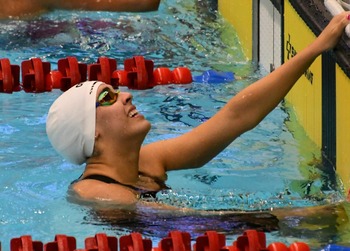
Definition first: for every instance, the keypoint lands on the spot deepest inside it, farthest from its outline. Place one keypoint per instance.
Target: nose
(125, 97)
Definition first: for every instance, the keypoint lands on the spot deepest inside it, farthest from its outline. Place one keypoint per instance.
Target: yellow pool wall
(306, 96)
(241, 19)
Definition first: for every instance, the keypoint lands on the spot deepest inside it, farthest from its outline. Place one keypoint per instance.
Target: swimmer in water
(95, 125)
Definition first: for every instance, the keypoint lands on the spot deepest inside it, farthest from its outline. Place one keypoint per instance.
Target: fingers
(330, 36)
(344, 19)
(341, 19)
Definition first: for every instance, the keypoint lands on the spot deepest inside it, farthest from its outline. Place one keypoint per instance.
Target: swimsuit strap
(143, 193)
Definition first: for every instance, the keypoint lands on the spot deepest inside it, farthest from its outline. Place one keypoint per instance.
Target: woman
(93, 124)
(28, 8)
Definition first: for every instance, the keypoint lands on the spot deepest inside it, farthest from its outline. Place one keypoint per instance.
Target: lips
(133, 113)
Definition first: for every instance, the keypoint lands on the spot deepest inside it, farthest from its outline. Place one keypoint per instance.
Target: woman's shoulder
(90, 190)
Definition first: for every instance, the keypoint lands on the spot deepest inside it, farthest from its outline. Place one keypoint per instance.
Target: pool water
(273, 166)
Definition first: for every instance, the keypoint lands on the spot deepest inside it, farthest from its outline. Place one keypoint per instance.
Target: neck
(123, 166)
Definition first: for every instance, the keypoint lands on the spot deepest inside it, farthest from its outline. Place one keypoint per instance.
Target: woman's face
(117, 118)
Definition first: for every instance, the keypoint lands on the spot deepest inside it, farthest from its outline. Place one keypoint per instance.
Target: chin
(146, 126)
(149, 125)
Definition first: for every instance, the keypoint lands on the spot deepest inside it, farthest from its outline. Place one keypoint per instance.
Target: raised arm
(108, 5)
(23, 8)
(245, 110)
(29, 8)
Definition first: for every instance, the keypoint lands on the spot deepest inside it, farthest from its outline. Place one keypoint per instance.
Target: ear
(97, 135)
(96, 143)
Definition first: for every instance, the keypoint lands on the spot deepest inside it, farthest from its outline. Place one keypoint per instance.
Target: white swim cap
(71, 122)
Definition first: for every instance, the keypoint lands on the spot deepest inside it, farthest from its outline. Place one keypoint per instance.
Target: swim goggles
(107, 97)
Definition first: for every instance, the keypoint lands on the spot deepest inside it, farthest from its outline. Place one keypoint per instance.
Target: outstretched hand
(331, 35)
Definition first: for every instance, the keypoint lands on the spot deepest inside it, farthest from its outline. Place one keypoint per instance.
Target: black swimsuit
(143, 193)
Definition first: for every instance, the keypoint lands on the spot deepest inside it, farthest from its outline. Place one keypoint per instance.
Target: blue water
(266, 168)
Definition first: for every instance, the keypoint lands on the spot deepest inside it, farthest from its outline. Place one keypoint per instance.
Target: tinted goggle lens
(107, 97)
